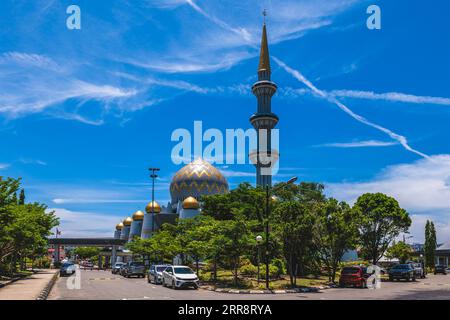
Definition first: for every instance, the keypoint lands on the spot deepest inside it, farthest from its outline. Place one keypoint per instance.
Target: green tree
(380, 221)
(430, 244)
(336, 232)
(399, 250)
(87, 252)
(22, 197)
(238, 240)
(294, 227)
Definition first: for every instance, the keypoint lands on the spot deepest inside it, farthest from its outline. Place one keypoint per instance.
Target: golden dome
(156, 207)
(138, 215)
(197, 179)
(190, 203)
(127, 222)
(119, 226)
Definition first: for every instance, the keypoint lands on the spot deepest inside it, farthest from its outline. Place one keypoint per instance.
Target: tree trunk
(196, 265)
(291, 270)
(215, 269)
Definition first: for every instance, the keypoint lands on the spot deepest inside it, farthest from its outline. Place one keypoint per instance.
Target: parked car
(67, 268)
(116, 268)
(88, 265)
(179, 277)
(419, 270)
(355, 276)
(439, 268)
(402, 271)
(155, 273)
(133, 268)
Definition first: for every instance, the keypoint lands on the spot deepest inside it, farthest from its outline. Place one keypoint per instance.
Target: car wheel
(173, 285)
(148, 279)
(163, 282)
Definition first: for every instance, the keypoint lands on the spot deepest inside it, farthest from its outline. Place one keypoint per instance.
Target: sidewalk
(28, 288)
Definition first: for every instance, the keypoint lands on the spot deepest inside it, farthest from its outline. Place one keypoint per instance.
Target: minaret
(264, 120)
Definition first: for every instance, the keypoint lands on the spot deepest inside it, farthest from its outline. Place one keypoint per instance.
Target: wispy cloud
(391, 96)
(4, 166)
(90, 201)
(323, 94)
(32, 161)
(358, 144)
(31, 83)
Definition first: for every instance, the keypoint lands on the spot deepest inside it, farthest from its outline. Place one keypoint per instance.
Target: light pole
(258, 242)
(153, 176)
(270, 190)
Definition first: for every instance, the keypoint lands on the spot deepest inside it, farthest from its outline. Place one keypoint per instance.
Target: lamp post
(258, 242)
(153, 176)
(270, 190)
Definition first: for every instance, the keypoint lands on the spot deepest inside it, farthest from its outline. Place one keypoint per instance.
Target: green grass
(225, 280)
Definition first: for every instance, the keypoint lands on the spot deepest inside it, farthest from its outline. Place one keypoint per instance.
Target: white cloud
(92, 200)
(358, 144)
(391, 96)
(4, 166)
(85, 224)
(420, 187)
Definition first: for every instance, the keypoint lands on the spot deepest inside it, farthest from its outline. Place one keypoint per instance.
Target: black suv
(439, 268)
(402, 271)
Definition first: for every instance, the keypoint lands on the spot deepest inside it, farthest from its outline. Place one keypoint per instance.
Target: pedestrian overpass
(110, 245)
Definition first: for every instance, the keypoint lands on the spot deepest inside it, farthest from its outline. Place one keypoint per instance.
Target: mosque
(199, 177)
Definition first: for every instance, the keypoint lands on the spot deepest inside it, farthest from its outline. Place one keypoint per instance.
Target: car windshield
(137, 264)
(401, 266)
(350, 270)
(67, 264)
(183, 270)
(160, 269)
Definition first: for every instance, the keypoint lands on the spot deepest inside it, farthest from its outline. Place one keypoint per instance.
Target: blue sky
(85, 112)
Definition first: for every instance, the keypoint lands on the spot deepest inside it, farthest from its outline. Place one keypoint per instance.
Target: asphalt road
(101, 285)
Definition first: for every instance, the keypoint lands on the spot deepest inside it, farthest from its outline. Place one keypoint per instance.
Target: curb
(2, 285)
(46, 291)
(283, 291)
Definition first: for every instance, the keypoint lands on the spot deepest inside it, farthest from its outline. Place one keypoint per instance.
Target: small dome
(138, 215)
(190, 203)
(119, 226)
(156, 207)
(127, 222)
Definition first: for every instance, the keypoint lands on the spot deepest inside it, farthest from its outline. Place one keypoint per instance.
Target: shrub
(248, 270)
(273, 271)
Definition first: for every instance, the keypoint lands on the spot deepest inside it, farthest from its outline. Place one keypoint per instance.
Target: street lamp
(153, 176)
(259, 239)
(270, 190)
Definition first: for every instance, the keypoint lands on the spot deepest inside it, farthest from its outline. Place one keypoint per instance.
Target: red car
(354, 276)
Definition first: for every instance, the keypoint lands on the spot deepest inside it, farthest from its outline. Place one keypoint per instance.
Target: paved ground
(28, 288)
(104, 285)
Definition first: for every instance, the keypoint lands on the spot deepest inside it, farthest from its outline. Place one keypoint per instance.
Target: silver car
(155, 273)
(179, 277)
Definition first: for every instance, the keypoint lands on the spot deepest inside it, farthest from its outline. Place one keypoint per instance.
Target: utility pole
(153, 176)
